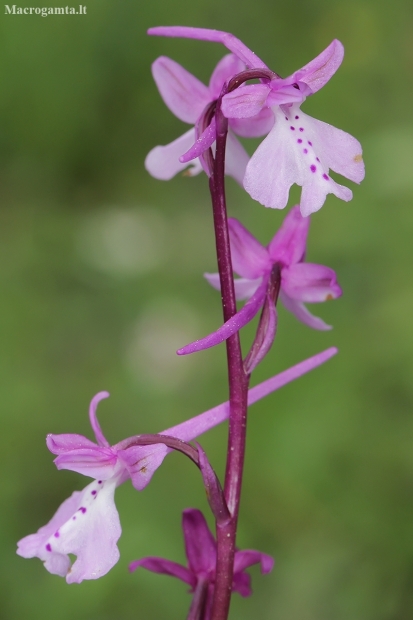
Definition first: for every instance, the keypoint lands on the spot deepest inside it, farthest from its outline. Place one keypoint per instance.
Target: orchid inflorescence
(296, 149)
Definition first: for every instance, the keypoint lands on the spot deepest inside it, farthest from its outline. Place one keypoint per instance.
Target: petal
(241, 583)
(141, 462)
(200, 545)
(244, 288)
(182, 92)
(93, 462)
(249, 258)
(282, 94)
(66, 442)
(227, 67)
(248, 557)
(246, 101)
(233, 325)
(163, 163)
(100, 438)
(293, 152)
(86, 525)
(308, 282)
(165, 567)
(254, 127)
(236, 159)
(218, 36)
(288, 246)
(318, 72)
(272, 169)
(302, 314)
(341, 151)
(314, 193)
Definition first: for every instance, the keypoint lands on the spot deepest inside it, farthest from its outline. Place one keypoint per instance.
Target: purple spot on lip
(301, 128)
(299, 140)
(48, 547)
(313, 168)
(325, 176)
(305, 151)
(317, 159)
(82, 509)
(99, 481)
(297, 117)
(286, 118)
(56, 534)
(292, 128)
(310, 143)
(74, 518)
(94, 492)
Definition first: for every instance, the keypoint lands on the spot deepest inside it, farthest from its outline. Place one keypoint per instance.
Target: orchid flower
(201, 552)
(188, 98)
(300, 282)
(87, 523)
(298, 148)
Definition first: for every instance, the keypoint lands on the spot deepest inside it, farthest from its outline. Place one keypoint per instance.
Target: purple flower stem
(238, 383)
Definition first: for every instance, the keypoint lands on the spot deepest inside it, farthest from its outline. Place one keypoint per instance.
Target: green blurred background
(101, 281)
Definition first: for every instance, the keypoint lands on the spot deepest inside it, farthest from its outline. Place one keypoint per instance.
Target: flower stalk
(237, 380)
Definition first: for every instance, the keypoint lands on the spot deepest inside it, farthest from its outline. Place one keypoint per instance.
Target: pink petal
(246, 101)
(241, 583)
(244, 316)
(254, 127)
(165, 567)
(100, 438)
(288, 246)
(86, 525)
(293, 152)
(248, 557)
(314, 193)
(97, 462)
(163, 163)
(272, 169)
(236, 159)
(244, 288)
(282, 94)
(249, 258)
(200, 545)
(308, 282)
(342, 152)
(203, 34)
(227, 67)
(66, 442)
(302, 314)
(141, 462)
(318, 72)
(182, 92)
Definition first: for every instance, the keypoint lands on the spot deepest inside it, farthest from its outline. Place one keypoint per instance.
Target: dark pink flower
(201, 552)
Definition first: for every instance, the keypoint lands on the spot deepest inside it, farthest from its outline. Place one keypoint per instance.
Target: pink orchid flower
(298, 148)
(188, 98)
(301, 282)
(87, 523)
(201, 552)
